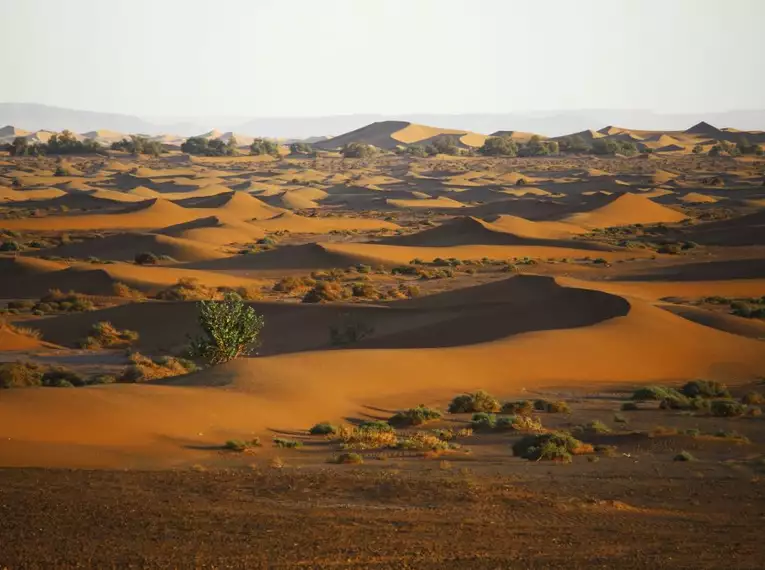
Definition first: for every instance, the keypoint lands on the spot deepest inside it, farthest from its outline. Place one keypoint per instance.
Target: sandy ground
(574, 278)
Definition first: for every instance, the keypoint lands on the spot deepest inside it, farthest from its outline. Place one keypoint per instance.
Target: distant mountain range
(34, 117)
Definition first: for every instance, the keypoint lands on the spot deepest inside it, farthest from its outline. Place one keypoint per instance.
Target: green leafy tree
(698, 149)
(19, 147)
(264, 146)
(301, 148)
(230, 329)
(499, 146)
(358, 150)
(447, 145)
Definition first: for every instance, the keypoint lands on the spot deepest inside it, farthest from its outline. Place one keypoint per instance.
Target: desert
(428, 305)
(382, 285)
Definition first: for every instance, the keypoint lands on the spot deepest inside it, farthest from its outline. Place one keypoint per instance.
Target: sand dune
(291, 257)
(10, 195)
(427, 203)
(155, 424)
(318, 225)
(390, 134)
(151, 214)
(503, 230)
(240, 205)
(742, 230)
(622, 210)
(750, 328)
(125, 246)
(215, 231)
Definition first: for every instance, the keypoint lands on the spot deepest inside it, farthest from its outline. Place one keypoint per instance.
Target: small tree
(499, 146)
(231, 329)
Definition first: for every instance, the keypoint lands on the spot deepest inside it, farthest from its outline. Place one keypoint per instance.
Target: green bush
(553, 446)
(20, 375)
(241, 446)
(349, 458)
(287, 443)
(727, 408)
(656, 393)
(705, 389)
(376, 425)
(479, 401)
(519, 408)
(10, 245)
(323, 428)
(594, 427)
(358, 150)
(753, 398)
(60, 377)
(499, 146)
(231, 329)
(552, 407)
(265, 146)
(483, 420)
(146, 258)
(415, 416)
(684, 456)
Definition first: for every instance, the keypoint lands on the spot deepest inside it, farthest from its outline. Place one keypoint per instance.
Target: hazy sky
(324, 57)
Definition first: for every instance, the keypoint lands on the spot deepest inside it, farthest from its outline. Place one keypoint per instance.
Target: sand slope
(622, 210)
(153, 425)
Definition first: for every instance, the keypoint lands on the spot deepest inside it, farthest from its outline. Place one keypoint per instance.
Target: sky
(292, 58)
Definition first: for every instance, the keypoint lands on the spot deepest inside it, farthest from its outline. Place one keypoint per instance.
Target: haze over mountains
(33, 117)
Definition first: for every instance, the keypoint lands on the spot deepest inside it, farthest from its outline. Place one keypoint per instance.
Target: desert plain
(617, 301)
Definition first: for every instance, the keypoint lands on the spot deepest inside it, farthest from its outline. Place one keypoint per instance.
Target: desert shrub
(209, 147)
(606, 450)
(518, 423)
(727, 408)
(747, 310)
(60, 377)
(323, 428)
(348, 458)
(20, 374)
(657, 393)
(230, 329)
(415, 416)
(349, 331)
(58, 301)
(705, 389)
(620, 419)
(629, 407)
(241, 446)
(553, 446)
(122, 290)
(592, 428)
(479, 401)
(105, 335)
(675, 402)
(287, 443)
(552, 407)
(358, 150)
(483, 421)
(137, 144)
(684, 456)
(443, 433)
(361, 438)
(325, 291)
(518, 408)
(499, 146)
(292, 284)
(10, 245)
(376, 425)
(98, 379)
(732, 435)
(612, 146)
(753, 398)
(365, 290)
(143, 369)
(422, 441)
(146, 258)
(264, 146)
(301, 148)
(186, 289)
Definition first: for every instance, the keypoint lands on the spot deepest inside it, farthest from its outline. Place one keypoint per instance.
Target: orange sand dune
(304, 257)
(240, 205)
(146, 215)
(163, 424)
(400, 254)
(215, 231)
(622, 210)
(10, 195)
(751, 328)
(742, 230)
(426, 203)
(14, 267)
(125, 246)
(320, 225)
